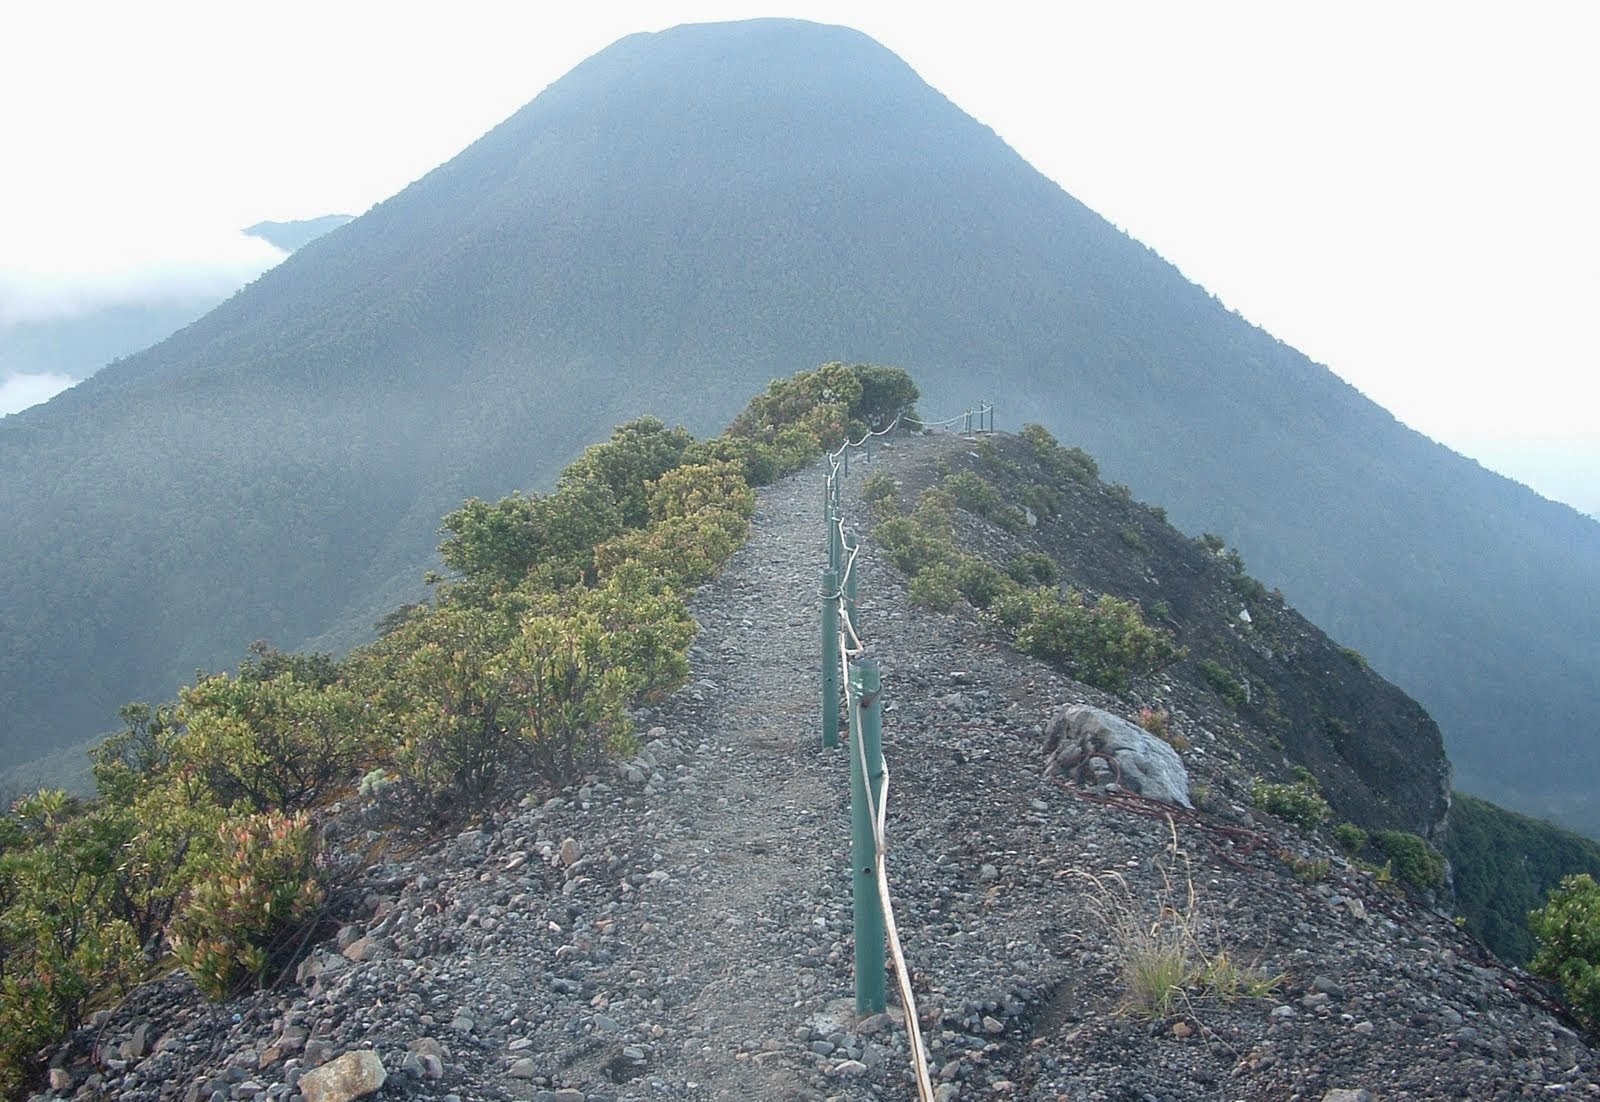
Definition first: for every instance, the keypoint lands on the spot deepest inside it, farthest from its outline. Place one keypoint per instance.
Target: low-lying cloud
(74, 276)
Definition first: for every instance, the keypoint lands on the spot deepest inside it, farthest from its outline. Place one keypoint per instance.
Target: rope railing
(847, 666)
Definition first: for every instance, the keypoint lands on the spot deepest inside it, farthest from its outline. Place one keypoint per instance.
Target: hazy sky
(1406, 192)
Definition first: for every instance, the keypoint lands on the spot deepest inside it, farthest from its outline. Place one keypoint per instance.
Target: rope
(877, 813)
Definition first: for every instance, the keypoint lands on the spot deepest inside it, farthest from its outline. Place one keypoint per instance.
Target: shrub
(1227, 686)
(58, 945)
(1073, 464)
(273, 744)
(569, 686)
(1354, 657)
(1104, 644)
(1351, 838)
(935, 587)
(1568, 930)
(977, 495)
(980, 582)
(637, 454)
(1044, 501)
(1033, 568)
(238, 922)
(879, 487)
(501, 544)
(812, 410)
(1415, 861)
(1299, 803)
(1154, 721)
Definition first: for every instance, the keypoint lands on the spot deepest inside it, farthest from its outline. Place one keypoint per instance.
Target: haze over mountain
(49, 345)
(681, 218)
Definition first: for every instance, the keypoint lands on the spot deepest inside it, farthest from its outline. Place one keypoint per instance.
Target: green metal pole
(830, 659)
(865, 726)
(854, 610)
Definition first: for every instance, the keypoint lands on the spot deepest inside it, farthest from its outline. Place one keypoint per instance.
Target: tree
(886, 393)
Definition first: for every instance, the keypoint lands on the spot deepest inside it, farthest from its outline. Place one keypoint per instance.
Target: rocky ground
(680, 927)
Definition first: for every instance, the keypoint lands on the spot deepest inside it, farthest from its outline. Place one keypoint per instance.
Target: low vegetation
(1299, 803)
(1103, 641)
(1164, 959)
(1413, 860)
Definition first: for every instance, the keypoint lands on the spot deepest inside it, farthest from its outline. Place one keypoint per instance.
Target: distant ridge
(293, 235)
(682, 217)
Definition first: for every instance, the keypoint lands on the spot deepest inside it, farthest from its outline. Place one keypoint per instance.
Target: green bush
(273, 744)
(1228, 687)
(1568, 930)
(237, 925)
(1415, 861)
(1299, 803)
(879, 487)
(1351, 838)
(1103, 644)
(637, 454)
(1354, 657)
(977, 495)
(980, 582)
(59, 945)
(1074, 464)
(935, 587)
(1033, 568)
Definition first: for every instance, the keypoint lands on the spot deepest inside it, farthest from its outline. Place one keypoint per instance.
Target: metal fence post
(866, 730)
(830, 659)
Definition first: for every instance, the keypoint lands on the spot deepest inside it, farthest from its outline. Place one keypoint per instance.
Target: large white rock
(353, 1075)
(1147, 765)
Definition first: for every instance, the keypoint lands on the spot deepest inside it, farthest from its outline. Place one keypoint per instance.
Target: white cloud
(66, 270)
(18, 392)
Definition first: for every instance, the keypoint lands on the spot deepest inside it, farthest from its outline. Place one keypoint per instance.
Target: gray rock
(1347, 1094)
(1147, 765)
(353, 1075)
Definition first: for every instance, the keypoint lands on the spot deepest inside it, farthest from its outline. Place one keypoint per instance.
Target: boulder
(1146, 765)
(353, 1075)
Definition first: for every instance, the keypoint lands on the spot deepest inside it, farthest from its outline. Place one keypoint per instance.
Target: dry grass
(1164, 960)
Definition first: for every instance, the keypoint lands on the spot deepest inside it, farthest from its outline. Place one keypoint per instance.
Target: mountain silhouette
(679, 219)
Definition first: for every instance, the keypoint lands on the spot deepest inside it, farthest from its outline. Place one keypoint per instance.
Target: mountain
(682, 217)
